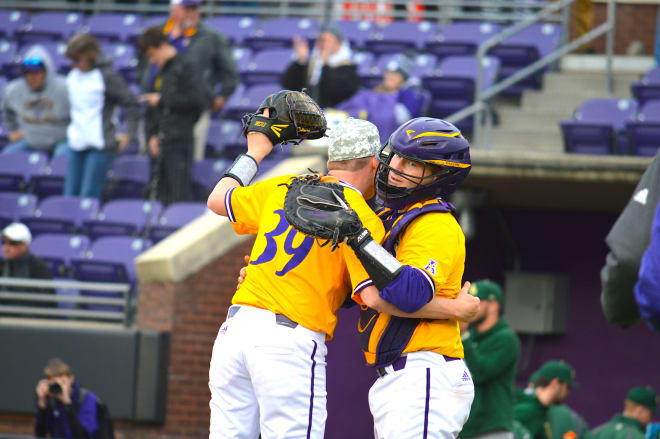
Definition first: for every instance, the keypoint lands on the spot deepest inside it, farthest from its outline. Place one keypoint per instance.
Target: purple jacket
(647, 289)
(77, 420)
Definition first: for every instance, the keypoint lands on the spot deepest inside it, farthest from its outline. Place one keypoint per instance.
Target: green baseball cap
(557, 369)
(645, 396)
(486, 290)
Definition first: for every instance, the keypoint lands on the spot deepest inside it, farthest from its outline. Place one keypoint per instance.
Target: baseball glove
(293, 117)
(320, 210)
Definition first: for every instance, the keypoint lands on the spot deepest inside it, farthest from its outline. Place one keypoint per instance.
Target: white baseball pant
(429, 398)
(267, 377)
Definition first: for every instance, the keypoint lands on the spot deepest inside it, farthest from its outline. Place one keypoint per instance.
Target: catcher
(267, 370)
(422, 376)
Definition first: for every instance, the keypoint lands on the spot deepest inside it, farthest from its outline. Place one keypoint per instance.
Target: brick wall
(633, 22)
(192, 311)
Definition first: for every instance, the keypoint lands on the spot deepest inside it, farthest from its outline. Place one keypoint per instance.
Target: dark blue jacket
(647, 289)
(76, 420)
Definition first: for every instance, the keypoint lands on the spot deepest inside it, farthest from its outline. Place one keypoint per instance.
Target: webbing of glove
(293, 116)
(379, 264)
(320, 210)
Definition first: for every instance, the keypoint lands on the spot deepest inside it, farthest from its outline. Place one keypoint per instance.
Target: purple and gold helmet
(431, 142)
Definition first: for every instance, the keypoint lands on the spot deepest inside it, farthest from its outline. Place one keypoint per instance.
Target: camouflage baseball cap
(353, 139)
(645, 396)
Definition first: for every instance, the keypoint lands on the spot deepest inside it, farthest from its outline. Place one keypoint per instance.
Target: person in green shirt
(491, 353)
(638, 409)
(552, 384)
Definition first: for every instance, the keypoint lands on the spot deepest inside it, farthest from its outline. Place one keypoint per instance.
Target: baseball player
(422, 377)
(268, 365)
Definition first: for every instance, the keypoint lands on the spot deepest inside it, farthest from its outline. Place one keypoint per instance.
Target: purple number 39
(299, 253)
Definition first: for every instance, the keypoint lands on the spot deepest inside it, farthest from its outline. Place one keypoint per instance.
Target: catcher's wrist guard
(243, 169)
(381, 266)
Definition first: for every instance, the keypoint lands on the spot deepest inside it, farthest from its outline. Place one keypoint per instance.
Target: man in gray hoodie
(35, 107)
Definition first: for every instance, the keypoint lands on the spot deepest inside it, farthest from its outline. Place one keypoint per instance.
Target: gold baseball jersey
(433, 243)
(290, 273)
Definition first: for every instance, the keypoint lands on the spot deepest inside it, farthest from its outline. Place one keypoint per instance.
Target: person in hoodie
(95, 90)
(328, 73)
(35, 107)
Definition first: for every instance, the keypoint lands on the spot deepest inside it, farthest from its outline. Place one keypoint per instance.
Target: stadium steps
(534, 125)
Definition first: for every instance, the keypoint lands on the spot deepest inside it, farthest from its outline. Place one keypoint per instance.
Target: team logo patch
(277, 129)
(431, 266)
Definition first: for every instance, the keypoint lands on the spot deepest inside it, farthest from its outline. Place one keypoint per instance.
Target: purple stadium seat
(8, 57)
(462, 38)
(400, 36)
(277, 33)
(452, 85)
(123, 217)
(15, 205)
(644, 133)
(423, 64)
(59, 249)
(206, 175)
(45, 26)
(11, 21)
(16, 169)
(522, 49)
(648, 88)
(129, 177)
(51, 180)
(113, 27)
(598, 126)
(356, 32)
(222, 132)
(240, 104)
(235, 28)
(367, 71)
(124, 60)
(175, 216)
(266, 66)
(59, 214)
(242, 56)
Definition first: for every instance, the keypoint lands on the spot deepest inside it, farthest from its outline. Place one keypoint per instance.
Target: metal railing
(31, 290)
(480, 108)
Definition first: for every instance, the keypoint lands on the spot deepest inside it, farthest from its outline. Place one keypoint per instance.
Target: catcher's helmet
(431, 142)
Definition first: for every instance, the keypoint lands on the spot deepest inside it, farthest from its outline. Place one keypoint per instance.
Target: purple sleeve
(410, 290)
(647, 289)
(87, 414)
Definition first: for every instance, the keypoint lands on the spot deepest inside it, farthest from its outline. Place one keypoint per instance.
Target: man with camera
(64, 409)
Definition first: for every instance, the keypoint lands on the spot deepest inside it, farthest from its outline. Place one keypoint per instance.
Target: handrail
(24, 294)
(479, 107)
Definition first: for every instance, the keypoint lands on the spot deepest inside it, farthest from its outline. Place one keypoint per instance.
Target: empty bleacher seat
(235, 28)
(221, 133)
(15, 205)
(125, 217)
(206, 174)
(644, 132)
(50, 181)
(278, 32)
(11, 22)
(17, 168)
(240, 104)
(356, 32)
(598, 126)
(461, 38)
(129, 177)
(242, 56)
(8, 59)
(366, 70)
(266, 66)
(113, 27)
(59, 214)
(46, 26)
(648, 88)
(175, 216)
(400, 36)
(59, 249)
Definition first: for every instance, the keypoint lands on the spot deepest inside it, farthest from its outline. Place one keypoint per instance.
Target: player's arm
(242, 171)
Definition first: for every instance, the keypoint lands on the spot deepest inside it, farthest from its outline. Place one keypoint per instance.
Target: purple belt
(400, 363)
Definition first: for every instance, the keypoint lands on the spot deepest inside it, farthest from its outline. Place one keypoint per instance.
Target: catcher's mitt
(320, 210)
(293, 117)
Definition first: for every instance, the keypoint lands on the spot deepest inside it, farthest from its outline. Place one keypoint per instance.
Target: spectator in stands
(18, 262)
(552, 385)
(491, 353)
(64, 409)
(396, 100)
(647, 288)
(95, 90)
(35, 107)
(638, 409)
(210, 53)
(328, 74)
(176, 105)
(628, 240)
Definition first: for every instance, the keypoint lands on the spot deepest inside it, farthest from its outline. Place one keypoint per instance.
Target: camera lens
(55, 389)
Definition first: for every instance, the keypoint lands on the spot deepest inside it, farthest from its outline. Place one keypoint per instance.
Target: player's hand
(243, 271)
(123, 140)
(152, 99)
(154, 147)
(64, 382)
(15, 136)
(466, 305)
(218, 103)
(259, 145)
(42, 392)
(301, 47)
